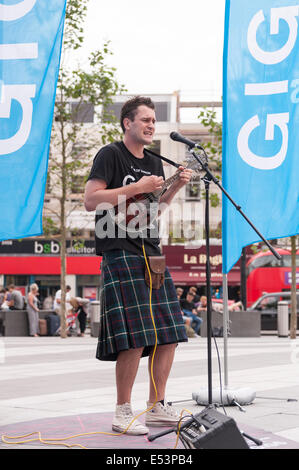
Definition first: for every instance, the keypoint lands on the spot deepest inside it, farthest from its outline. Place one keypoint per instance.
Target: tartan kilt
(125, 318)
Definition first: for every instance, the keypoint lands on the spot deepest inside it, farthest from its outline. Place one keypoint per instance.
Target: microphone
(180, 138)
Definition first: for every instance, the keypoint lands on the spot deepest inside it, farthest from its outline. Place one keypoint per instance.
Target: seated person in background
(2, 296)
(187, 320)
(189, 310)
(179, 292)
(4, 299)
(193, 290)
(202, 303)
(236, 307)
(16, 301)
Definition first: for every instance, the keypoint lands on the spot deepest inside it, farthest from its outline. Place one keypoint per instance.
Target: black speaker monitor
(210, 429)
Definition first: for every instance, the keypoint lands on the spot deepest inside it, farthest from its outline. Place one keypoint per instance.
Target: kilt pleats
(125, 319)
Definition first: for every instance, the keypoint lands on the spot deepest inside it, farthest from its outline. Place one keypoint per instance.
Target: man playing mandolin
(132, 322)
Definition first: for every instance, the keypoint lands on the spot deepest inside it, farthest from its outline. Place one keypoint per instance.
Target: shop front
(37, 260)
(188, 268)
(23, 262)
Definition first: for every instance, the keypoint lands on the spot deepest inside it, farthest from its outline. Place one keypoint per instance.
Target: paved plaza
(49, 383)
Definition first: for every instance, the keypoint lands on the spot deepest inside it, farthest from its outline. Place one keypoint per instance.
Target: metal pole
(225, 326)
(243, 279)
(208, 281)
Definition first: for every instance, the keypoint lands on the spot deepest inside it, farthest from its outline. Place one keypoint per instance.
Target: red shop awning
(48, 265)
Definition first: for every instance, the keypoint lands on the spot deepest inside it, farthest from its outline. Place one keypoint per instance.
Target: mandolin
(139, 213)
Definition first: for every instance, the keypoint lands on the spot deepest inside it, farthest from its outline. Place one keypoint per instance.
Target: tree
(213, 146)
(207, 118)
(79, 92)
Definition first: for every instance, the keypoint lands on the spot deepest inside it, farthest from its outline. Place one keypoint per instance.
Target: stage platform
(89, 433)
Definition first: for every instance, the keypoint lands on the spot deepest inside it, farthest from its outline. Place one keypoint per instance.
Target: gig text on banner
(16, 11)
(23, 93)
(279, 119)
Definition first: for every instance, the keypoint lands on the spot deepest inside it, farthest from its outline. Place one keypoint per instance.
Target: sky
(160, 46)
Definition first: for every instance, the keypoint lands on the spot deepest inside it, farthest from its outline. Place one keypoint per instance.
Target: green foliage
(73, 28)
(81, 88)
(217, 232)
(255, 249)
(214, 199)
(79, 91)
(207, 117)
(49, 227)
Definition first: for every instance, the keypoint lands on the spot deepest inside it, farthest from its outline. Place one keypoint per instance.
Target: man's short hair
(68, 288)
(129, 109)
(11, 286)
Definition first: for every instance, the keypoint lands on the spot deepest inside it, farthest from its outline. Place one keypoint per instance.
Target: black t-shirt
(185, 305)
(117, 166)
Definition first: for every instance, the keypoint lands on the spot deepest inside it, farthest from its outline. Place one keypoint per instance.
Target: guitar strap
(155, 272)
(177, 165)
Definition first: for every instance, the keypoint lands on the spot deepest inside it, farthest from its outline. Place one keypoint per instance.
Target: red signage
(188, 265)
(48, 265)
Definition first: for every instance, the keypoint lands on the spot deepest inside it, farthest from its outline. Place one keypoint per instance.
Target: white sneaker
(123, 417)
(161, 415)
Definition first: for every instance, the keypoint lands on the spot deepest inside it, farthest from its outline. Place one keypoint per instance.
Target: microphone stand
(207, 180)
(208, 177)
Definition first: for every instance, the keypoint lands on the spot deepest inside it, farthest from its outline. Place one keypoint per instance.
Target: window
(193, 189)
(77, 185)
(287, 260)
(17, 280)
(74, 111)
(155, 146)
(268, 261)
(83, 112)
(76, 232)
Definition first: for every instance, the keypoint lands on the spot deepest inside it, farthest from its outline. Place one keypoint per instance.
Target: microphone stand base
(226, 397)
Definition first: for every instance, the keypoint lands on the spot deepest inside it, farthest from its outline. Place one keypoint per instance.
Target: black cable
(220, 373)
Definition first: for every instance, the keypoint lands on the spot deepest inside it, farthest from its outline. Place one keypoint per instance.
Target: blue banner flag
(260, 122)
(30, 46)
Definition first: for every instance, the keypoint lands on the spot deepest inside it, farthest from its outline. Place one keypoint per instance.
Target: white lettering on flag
(30, 49)
(18, 51)
(270, 88)
(264, 163)
(23, 94)
(260, 140)
(286, 13)
(16, 11)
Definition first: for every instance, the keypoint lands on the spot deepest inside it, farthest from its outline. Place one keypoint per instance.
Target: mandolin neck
(167, 183)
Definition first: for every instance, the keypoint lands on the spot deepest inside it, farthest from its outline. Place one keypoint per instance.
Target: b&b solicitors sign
(46, 247)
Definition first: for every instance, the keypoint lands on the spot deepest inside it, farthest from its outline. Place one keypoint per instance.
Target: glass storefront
(88, 286)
